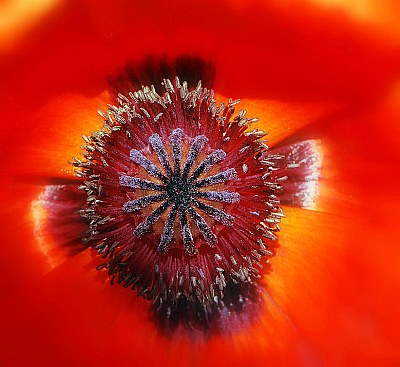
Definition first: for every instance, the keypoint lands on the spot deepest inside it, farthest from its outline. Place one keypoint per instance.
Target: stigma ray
(135, 205)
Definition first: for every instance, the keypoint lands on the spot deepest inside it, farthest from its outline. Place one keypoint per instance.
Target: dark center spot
(179, 190)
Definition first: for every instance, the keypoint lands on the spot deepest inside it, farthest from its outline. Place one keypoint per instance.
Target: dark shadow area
(152, 70)
(238, 309)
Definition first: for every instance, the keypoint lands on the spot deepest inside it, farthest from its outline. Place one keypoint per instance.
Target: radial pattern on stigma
(181, 189)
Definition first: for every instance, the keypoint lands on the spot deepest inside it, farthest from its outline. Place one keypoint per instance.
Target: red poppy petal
(360, 242)
(50, 137)
(283, 119)
(281, 53)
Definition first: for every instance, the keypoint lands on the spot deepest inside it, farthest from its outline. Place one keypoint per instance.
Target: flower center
(183, 189)
(163, 179)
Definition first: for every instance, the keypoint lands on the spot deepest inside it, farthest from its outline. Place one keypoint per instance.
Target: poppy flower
(327, 72)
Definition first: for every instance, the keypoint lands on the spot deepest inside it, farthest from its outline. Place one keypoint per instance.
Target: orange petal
(283, 119)
(338, 298)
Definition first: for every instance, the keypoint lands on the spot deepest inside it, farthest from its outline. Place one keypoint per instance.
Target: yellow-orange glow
(18, 17)
(382, 13)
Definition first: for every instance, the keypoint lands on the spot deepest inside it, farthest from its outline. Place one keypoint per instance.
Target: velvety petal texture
(321, 71)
